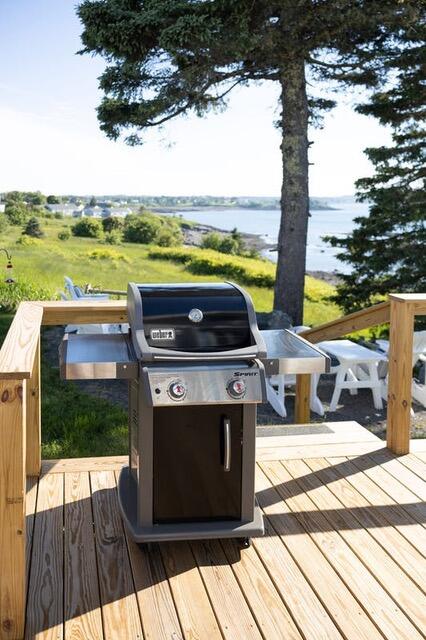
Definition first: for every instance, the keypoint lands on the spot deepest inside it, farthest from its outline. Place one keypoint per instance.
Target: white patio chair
(76, 293)
(275, 388)
(418, 389)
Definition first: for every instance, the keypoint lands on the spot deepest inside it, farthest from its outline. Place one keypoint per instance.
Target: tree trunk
(290, 279)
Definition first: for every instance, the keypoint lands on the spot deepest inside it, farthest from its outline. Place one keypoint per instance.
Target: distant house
(92, 212)
(2, 207)
(64, 209)
(117, 212)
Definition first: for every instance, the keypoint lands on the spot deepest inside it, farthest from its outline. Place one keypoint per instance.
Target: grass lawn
(73, 423)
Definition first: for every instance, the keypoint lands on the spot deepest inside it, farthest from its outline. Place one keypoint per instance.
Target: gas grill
(195, 361)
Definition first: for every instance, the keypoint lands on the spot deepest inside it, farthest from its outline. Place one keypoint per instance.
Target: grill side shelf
(97, 357)
(288, 353)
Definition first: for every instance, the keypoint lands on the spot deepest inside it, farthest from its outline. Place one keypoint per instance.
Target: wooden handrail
(19, 348)
(84, 312)
(364, 319)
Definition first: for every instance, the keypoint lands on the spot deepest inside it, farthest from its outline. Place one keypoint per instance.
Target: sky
(50, 138)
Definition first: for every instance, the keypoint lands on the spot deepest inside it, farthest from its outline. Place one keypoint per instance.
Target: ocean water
(320, 256)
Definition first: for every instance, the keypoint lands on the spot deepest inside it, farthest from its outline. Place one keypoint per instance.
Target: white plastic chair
(275, 388)
(77, 293)
(418, 390)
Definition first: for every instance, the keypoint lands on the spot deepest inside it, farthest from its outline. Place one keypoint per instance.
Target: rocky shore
(194, 233)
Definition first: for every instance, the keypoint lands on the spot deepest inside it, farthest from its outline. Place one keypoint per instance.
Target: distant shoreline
(193, 236)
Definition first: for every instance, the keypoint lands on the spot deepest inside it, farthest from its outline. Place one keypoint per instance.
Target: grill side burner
(195, 361)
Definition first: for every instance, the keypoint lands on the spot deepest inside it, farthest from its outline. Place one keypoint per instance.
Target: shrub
(114, 237)
(168, 237)
(148, 228)
(112, 223)
(107, 254)
(64, 235)
(58, 215)
(142, 228)
(87, 228)
(231, 244)
(249, 271)
(12, 294)
(33, 229)
(16, 212)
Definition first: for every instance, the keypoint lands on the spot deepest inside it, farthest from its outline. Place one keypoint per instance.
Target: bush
(168, 237)
(142, 229)
(112, 223)
(58, 215)
(64, 235)
(87, 228)
(114, 237)
(17, 213)
(12, 294)
(33, 229)
(107, 254)
(231, 244)
(249, 271)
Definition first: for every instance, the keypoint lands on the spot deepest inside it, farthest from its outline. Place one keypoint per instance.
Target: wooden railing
(400, 312)
(20, 418)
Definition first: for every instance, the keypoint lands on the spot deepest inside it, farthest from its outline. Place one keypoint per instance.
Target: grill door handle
(226, 444)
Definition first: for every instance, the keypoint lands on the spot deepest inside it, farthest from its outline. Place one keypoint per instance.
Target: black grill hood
(179, 321)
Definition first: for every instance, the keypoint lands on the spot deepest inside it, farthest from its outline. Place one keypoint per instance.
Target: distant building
(2, 207)
(116, 212)
(92, 212)
(64, 209)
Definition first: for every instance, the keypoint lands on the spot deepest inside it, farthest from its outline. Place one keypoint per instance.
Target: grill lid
(170, 321)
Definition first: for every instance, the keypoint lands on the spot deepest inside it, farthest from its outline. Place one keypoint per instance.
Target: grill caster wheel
(245, 543)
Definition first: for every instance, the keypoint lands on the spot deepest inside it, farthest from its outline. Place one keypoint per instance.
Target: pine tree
(387, 249)
(169, 57)
(33, 229)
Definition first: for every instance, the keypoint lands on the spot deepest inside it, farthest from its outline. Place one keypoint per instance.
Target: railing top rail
(20, 345)
(84, 311)
(364, 319)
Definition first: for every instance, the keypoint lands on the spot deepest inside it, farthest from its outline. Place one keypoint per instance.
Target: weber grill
(196, 364)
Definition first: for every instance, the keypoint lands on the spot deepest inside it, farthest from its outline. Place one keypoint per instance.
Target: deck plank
(224, 592)
(408, 500)
(270, 612)
(326, 450)
(196, 615)
(381, 609)
(399, 471)
(373, 520)
(45, 614)
(340, 604)
(119, 605)
(414, 464)
(81, 599)
(409, 599)
(374, 494)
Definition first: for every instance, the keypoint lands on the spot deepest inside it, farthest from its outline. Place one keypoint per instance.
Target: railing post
(34, 418)
(400, 376)
(302, 409)
(12, 508)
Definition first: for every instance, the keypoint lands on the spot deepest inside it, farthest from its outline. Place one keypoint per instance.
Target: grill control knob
(176, 390)
(236, 388)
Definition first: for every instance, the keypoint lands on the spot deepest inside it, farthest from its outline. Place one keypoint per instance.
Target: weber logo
(162, 334)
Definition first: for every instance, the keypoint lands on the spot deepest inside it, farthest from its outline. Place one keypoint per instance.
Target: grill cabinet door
(190, 482)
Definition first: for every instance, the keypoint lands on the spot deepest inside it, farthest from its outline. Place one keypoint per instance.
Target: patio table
(349, 374)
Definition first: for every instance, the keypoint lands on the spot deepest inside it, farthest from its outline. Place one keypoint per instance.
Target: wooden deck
(343, 555)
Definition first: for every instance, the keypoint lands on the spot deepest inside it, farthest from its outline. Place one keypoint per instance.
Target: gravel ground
(359, 407)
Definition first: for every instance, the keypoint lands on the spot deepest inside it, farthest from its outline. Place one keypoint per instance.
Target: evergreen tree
(169, 57)
(387, 249)
(33, 229)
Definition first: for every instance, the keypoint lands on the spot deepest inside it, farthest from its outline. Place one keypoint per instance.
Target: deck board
(343, 556)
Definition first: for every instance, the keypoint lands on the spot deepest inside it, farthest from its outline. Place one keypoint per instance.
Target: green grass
(46, 261)
(75, 424)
